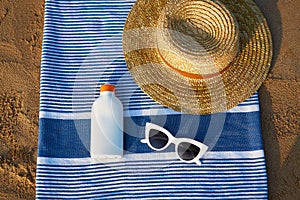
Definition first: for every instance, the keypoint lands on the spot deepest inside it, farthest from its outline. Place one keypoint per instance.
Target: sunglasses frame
(174, 140)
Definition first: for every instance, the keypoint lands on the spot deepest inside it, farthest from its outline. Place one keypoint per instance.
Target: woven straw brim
(205, 95)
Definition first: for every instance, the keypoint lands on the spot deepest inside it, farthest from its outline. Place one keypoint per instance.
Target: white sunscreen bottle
(107, 125)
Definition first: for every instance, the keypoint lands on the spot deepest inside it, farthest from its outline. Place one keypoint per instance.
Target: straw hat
(197, 56)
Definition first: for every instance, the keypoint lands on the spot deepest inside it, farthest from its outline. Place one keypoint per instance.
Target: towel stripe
(216, 178)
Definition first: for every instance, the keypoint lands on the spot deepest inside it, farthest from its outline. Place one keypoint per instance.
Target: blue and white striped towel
(82, 49)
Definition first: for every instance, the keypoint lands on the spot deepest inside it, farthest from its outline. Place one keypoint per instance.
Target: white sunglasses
(188, 150)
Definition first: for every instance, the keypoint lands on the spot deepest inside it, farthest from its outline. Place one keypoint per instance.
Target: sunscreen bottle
(107, 125)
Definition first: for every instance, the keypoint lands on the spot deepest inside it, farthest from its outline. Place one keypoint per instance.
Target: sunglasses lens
(158, 139)
(187, 151)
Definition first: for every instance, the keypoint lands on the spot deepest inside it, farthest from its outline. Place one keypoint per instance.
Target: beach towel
(82, 49)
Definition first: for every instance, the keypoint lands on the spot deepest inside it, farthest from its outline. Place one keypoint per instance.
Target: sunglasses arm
(144, 141)
(198, 162)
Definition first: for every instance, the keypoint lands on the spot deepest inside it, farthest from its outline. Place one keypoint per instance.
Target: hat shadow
(281, 170)
(270, 140)
(271, 143)
(272, 14)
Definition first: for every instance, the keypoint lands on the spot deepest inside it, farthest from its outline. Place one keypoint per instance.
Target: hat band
(190, 75)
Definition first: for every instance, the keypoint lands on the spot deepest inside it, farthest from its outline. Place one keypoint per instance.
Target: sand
(21, 26)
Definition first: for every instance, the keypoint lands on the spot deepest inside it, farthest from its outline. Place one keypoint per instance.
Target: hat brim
(204, 95)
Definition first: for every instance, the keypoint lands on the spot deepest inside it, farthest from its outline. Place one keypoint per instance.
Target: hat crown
(197, 37)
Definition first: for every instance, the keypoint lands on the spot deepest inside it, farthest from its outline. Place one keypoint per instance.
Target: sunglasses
(188, 150)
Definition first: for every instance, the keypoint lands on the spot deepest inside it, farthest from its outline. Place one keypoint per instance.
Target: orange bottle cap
(107, 87)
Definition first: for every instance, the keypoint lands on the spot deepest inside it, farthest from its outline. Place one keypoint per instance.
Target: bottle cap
(107, 87)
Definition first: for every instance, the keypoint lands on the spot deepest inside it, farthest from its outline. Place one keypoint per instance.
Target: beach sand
(21, 31)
